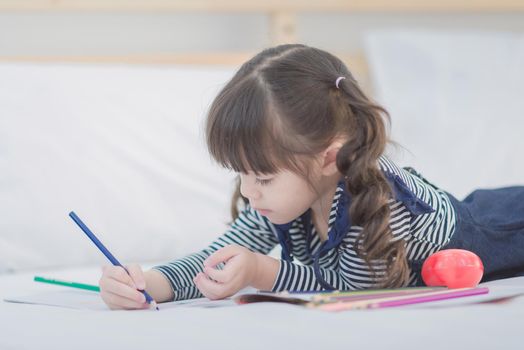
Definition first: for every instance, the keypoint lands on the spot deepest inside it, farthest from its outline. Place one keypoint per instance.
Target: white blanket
(256, 326)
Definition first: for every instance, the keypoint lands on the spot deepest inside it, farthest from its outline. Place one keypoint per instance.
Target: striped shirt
(423, 234)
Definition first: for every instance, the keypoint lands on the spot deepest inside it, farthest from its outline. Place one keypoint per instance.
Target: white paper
(72, 299)
(77, 299)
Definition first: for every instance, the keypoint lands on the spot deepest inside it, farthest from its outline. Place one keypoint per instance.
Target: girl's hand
(241, 269)
(118, 289)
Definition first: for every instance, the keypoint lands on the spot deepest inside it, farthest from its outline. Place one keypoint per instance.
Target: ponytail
(370, 192)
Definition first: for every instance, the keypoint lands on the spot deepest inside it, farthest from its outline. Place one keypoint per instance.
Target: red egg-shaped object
(453, 268)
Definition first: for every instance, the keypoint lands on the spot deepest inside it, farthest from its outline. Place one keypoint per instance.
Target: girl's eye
(263, 181)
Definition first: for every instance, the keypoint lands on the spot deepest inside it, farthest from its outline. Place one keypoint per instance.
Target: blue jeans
(490, 223)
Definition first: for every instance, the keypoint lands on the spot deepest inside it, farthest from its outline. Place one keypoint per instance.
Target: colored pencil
(67, 283)
(107, 253)
(348, 295)
(432, 297)
(335, 299)
(401, 300)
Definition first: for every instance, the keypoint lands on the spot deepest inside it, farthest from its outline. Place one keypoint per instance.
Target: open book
(372, 299)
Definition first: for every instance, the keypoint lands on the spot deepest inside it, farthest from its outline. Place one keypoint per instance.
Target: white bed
(121, 145)
(255, 326)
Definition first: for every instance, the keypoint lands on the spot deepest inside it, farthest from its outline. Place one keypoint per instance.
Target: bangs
(243, 134)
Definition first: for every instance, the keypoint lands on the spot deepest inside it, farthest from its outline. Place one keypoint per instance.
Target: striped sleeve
(250, 230)
(297, 277)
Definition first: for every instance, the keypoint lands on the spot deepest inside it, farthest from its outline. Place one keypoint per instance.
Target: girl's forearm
(158, 286)
(267, 270)
(160, 289)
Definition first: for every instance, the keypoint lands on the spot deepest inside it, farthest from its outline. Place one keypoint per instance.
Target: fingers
(118, 273)
(222, 255)
(217, 284)
(119, 290)
(211, 289)
(123, 290)
(137, 275)
(116, 302)
(221, 276)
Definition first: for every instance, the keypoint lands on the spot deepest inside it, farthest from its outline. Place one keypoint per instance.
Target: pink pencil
(403, 300)
(429, 298)
(334, 298)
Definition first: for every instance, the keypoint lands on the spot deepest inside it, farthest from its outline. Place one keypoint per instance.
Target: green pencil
(68, 284)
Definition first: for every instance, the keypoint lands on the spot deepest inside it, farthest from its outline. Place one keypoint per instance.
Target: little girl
(309, 149)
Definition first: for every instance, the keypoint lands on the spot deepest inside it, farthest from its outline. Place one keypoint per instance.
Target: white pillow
(121, 146)
(456, 103)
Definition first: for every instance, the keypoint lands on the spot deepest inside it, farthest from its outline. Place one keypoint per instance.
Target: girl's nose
(249, 191)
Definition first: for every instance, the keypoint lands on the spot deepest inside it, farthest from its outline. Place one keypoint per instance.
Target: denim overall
(490, 223)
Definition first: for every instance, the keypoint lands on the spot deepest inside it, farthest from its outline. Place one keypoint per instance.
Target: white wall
(64, 33)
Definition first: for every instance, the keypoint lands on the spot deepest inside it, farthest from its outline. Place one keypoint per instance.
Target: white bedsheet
(255, 326)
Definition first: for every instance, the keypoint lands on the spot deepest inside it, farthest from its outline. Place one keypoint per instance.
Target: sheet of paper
(73, 299)
(78, 299)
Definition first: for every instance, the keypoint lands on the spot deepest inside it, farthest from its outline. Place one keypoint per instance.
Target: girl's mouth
(264, 212)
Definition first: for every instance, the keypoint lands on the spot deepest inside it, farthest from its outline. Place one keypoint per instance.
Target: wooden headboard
(281, 14)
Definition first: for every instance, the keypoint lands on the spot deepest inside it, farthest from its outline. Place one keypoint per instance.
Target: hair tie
(338, 81)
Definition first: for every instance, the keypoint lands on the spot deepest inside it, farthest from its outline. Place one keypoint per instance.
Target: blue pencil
(107, 253)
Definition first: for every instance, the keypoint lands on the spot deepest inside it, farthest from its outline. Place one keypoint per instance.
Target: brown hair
(283, 106)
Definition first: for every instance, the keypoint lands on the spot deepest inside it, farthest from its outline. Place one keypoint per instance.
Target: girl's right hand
(119, 290)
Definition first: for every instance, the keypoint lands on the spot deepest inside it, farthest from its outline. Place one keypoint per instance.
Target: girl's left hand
(240, 270)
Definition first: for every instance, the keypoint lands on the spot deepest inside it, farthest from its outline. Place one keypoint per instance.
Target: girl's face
(284, 196)
(281, 197)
